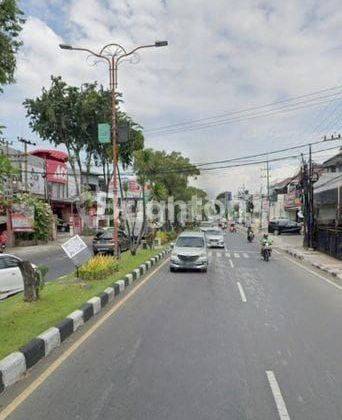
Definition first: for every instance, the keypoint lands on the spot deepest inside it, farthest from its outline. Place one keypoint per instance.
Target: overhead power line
(254, 108)
(243, 118)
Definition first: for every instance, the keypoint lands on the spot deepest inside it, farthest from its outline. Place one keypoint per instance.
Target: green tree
(67, 115)
(167, 173)
(11, 21)
(53, 116)
(96, 109)
(43, 216)
(7, 170)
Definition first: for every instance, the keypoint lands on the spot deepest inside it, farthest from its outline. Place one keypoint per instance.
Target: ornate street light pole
(112, 54)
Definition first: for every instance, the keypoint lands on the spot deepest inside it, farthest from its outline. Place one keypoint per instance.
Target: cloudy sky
(223, 56)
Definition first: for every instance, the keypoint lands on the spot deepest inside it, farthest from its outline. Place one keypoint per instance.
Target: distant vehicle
(266, 251)
(190, 252)
(250, 236)
(279, 226)
(232, 228)
(207, 224)
(11, 279)
(214, 238)
(103, 241)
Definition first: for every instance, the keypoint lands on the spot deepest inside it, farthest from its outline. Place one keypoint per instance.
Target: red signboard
(56, 171)
(22, 217)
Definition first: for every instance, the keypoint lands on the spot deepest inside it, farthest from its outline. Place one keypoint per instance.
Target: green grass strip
(20, 321)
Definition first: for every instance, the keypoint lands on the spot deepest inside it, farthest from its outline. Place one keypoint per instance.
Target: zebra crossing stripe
(219, 255)
(245, 255)
(236, 255)
(228, 254)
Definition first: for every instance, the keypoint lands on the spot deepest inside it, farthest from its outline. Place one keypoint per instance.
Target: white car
(190, 252)
(214, 238)
(11, 280)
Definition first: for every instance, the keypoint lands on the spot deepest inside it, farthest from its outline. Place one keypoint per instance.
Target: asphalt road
(52, 256)
(247, 340)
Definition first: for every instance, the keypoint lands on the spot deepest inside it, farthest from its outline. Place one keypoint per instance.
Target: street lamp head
(160, 43)
(65, 47)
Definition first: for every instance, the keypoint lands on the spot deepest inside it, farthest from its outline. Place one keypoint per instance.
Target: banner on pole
(103, 132)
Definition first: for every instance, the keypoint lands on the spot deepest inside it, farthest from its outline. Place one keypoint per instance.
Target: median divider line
(14, 366)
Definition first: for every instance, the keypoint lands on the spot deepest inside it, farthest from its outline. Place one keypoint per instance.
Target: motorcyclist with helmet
(265, 241)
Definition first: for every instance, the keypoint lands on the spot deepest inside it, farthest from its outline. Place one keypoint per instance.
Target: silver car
(215, 238)
(190, 252)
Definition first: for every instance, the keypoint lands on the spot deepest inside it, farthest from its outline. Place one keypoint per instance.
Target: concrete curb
(14, 366)
(335, 272)
(302, 255)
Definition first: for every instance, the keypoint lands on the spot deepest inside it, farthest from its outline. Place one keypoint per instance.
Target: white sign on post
(77, 250)
(74, 246)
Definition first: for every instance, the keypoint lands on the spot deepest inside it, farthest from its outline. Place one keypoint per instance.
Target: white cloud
(222, 55)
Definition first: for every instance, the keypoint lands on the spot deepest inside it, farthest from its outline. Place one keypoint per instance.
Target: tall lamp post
(112, 54)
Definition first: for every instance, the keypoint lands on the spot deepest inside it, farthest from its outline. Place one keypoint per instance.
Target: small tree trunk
(31, 282)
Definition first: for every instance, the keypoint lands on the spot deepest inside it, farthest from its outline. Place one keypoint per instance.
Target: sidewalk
(293, 245)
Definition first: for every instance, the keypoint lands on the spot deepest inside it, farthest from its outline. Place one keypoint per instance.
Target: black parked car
(278, 226)
(103, 241)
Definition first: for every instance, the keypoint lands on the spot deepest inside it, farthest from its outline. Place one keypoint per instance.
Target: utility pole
(268, 189)
(305, 201)
(9, 192)
(113, 54)
(26, 143)
(310, 201)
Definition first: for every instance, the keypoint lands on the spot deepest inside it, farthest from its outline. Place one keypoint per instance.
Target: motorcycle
(266, 251)
(250, 237)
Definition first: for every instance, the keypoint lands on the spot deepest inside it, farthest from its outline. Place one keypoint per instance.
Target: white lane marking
(228, 254)
(69, 351)
(245, 255)
(236, 255)
(242, 293)
(231, 263)
(314, 273)
(210, 254)
(276, 251)
(218, 254)
(278, 398)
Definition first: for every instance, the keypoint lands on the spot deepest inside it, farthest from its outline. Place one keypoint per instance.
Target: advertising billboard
(22, 217)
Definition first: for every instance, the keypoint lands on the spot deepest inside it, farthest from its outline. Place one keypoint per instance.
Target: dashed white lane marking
(245, 255)
(236, 255)
(228, 254)
(242, 293)
(278, 398)
(231, 263)
(276, 251)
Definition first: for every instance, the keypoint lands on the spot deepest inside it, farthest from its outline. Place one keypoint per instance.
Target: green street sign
(103, 132)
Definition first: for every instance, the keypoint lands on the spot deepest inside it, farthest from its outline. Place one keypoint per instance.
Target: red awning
(51, 154)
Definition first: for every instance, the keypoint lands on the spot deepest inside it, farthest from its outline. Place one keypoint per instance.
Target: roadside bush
(162, 236)
(42, 270)
(98, 267)
(171, 235)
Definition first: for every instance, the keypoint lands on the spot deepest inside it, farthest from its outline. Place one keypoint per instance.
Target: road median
(21, 324)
